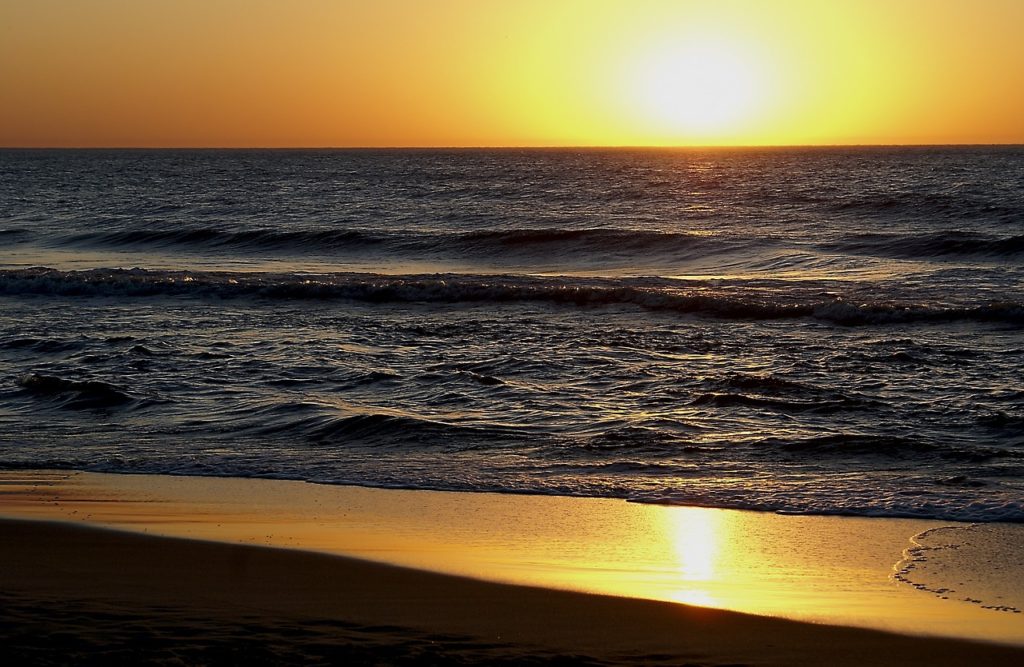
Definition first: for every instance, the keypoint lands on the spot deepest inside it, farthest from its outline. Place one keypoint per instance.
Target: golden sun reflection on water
(695, 538)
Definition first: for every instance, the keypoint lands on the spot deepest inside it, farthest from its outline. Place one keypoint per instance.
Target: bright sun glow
(698, 88)
(518, 73)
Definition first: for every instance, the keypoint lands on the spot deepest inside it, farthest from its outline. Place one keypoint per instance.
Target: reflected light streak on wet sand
(834, 570)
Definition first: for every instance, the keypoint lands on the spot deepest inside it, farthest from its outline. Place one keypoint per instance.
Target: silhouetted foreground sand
(72, 595)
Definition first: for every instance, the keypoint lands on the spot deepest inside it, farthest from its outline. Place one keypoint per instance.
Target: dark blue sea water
(798, 330)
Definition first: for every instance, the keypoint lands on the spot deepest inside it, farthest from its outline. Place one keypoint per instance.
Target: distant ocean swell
(934, 245)
(969, 205)
(650, 294)
(540, 241)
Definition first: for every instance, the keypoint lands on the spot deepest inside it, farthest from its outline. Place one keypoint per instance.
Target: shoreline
(194, 600)
(826, 573)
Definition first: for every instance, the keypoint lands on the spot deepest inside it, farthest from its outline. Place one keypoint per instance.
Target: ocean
(817, 330)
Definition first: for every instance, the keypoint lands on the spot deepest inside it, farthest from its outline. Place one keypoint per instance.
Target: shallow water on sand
(980, 564)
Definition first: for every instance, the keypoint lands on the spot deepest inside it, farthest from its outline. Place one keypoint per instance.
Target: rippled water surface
(826, 330)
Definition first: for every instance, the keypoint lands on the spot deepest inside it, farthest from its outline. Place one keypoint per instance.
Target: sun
(700, 88)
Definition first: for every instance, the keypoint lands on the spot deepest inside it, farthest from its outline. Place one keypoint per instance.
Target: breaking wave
(650, 294)
(539, 242)
(542, 242)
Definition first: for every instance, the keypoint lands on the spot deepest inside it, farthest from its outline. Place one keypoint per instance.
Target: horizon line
(529, 146)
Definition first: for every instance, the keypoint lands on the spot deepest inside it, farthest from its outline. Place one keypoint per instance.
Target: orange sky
(509, 72)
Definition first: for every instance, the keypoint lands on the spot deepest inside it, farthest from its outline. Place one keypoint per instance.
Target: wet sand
(85, 595)
(74, 591)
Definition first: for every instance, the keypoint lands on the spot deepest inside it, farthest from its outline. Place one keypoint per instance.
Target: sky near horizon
(270, 73)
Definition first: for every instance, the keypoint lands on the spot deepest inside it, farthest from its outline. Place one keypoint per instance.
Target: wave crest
(649, 294)
(938, 244)
(76, 394)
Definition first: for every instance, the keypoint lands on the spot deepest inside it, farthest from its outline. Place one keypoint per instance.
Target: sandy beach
(76, 592)
(87, 596)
